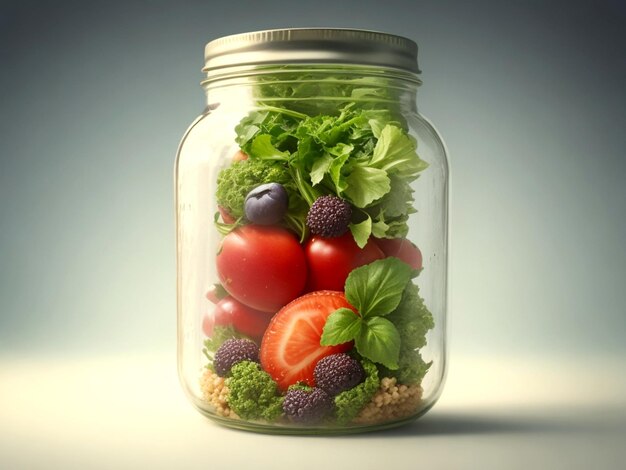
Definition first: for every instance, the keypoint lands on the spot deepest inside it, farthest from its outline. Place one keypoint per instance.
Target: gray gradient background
(529, 96)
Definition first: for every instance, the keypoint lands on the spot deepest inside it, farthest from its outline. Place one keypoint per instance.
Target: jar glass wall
(312, 250)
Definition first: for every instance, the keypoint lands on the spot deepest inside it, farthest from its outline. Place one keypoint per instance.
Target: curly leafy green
(253, 393)
(411, 368)
(361, 155)
(313, 92)
(412, 318)
(334, 134)
(350, 402)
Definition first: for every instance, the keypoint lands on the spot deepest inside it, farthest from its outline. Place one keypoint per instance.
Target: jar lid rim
(312, 46)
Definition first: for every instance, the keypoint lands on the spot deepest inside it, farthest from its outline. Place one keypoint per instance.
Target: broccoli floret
(235, 182)
(350, 402)
(253, 393)
(413, 320)
(411, 370)
(300, 386)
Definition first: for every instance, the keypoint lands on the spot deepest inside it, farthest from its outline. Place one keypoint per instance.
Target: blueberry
(266, 204)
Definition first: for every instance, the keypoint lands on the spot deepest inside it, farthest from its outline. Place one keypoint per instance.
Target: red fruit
(215, 293)
(291, 344)
(403, 249)
(330, 260)
(207, 325)
(239, 156)
(244, 319)
(226, 217)
(262, 266)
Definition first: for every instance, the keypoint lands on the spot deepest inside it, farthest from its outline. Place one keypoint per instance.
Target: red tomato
(403, 249)
(262, 266)
(215, 293)
(226, 217)
(244, 319)
(239, 156)
(207, 325)
(330, 260)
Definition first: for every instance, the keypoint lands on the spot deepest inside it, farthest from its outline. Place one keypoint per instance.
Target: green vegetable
(392, 323)
(300, 386)
(253, 393)
(413, 320)
(312, 93)
(375, 290)
(279, 124)
(350, 402)
(358, 150)
(236, 181)
(411, 370)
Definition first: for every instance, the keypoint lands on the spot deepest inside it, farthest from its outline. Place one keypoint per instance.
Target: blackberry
(233, 351)
(329, 216)
(307, 406)
(338, 372)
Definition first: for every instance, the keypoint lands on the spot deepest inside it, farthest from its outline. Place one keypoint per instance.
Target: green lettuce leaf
(366, 184)
(262, 148)
(321, 166)
(362, 231)
(395, 152)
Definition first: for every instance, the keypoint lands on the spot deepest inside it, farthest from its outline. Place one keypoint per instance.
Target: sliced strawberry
(291, 344)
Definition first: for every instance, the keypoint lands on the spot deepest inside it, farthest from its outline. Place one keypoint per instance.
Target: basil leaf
(341, 326)
(379, 341)
(376, 288)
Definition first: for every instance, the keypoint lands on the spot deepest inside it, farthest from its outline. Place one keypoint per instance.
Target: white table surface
(119, 412)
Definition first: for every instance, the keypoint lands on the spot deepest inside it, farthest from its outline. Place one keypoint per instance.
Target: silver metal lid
(312, 46)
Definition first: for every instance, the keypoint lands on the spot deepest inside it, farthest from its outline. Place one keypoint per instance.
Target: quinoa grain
(215, 391)
(391, 402)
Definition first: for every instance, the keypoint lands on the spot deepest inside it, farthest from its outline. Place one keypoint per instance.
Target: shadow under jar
(311, 205)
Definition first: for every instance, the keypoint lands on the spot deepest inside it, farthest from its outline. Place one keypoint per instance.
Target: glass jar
(311, 203)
